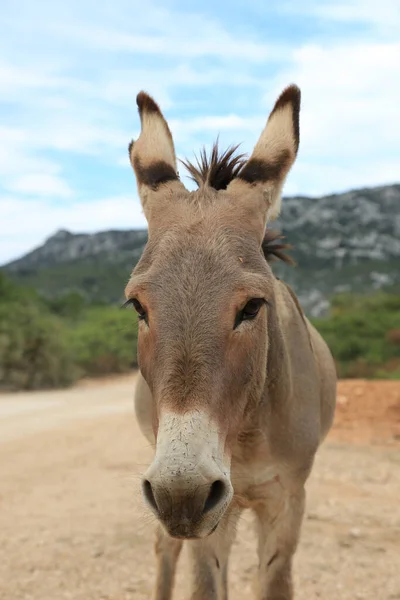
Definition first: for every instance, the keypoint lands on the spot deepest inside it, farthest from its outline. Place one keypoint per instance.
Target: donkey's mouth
(187, 538)
(182, 531)
(187, 531)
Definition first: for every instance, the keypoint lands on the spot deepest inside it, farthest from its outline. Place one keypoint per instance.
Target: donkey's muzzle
(186, 508)
(187, 485)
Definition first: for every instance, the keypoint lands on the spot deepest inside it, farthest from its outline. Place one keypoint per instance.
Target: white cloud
(314, 176)
(42, 81)
(24, 171)
(382, 16)
(40, 184)
(122, 85)
(178, 35)
(31, 157)
(230, 122)
(232, 127)
(16, 78)
(349, 119)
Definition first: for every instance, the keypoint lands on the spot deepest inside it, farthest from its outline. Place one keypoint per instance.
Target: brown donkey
(237, 389)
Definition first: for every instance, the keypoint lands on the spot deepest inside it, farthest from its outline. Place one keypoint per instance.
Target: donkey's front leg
(210, 560)
(278, 535)
(167, 552)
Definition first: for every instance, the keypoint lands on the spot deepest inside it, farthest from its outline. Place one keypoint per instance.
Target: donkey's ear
(152, 156)
(273, 155)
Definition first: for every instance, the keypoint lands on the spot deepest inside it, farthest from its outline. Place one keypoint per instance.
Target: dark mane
(216, 170)
(275, 249)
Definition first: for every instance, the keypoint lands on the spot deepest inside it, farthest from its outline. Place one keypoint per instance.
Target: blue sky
(70, 72)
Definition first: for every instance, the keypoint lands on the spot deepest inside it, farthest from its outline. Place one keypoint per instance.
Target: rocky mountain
(65, 247)
(341, 242)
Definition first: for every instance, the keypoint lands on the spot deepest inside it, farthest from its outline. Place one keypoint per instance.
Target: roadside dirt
(72, 523)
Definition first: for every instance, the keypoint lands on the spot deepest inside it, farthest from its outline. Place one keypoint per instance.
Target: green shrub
(363, 334)
(69, 305)
(33, 348)
(12, 292)
(49, 342)
(105, 341)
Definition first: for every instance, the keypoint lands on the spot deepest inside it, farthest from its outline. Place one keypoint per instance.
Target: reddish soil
(368, 412)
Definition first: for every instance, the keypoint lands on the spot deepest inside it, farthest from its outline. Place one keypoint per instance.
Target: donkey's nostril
(216, 494)
(149, 494)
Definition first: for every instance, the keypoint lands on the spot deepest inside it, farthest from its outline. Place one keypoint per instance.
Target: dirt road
(72, 523)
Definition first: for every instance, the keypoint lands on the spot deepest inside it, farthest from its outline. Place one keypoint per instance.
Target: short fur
(237, 389)
(257, 170)
(154, 174)
(292, 96)
(146, 103)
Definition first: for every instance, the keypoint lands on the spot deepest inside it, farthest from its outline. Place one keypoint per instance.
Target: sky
(70, 73)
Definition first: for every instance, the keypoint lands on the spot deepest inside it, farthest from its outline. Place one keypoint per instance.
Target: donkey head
(204, 294)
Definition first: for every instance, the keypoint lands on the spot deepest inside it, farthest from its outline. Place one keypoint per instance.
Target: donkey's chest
(256, 477)
(257, 483)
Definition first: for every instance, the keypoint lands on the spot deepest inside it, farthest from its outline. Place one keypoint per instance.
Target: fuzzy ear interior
(274, 153)
(152, 156)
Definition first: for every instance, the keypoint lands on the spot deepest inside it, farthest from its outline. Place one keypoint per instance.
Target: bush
(33, 349)
(105, 341)
(363, 334)
(12, 292)
(49, 342)
(69, 305)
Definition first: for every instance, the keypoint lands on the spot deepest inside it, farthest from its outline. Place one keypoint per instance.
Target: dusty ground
(72, 525)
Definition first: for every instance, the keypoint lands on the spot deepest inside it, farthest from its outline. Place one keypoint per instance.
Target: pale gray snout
(188, 486)
(186, 507)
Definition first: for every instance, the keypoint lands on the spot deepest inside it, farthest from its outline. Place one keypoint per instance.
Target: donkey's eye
(250, 311)
(252, 308)
(142, 314)
(139, 308)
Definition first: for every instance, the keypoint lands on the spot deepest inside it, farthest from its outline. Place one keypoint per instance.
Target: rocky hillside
(341, 242)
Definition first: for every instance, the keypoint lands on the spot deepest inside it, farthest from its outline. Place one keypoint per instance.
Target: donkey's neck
(288, 335)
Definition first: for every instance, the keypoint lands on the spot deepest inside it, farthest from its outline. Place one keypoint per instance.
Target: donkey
(236, 389)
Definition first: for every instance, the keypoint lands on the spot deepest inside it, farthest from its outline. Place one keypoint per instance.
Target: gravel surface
(72, 523)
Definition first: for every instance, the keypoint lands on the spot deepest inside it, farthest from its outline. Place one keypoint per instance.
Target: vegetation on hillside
(363, 333)
(48, 343)
(96, 278)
